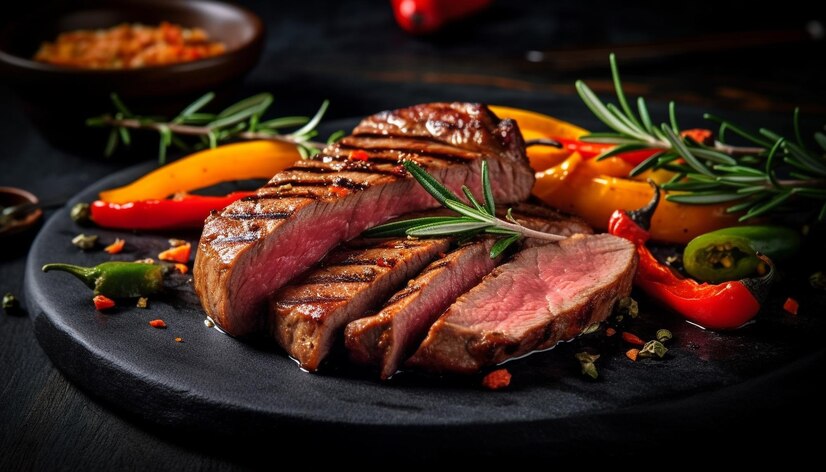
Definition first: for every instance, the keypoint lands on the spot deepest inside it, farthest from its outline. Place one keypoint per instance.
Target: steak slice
(307, 316)
(546, 294)
(256, 245)
(383, 339)
(386, 338)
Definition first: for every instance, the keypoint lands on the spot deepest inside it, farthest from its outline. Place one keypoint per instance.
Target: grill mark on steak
(544, 295)
(306, 329)
(278, 215)
(340, 278)
(301, 182)
(308, 300)
(233, 281)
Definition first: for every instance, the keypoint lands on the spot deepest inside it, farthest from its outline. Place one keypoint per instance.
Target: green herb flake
(587, 363)
(664, 335)
(11, 305)
(818, 280)
(627, 306)
(85, 241)
(653, 349)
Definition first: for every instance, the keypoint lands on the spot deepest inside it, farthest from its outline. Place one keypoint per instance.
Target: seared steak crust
(258, 244)
(307, 315)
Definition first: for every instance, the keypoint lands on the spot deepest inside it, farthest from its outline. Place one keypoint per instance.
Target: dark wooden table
(519, 53)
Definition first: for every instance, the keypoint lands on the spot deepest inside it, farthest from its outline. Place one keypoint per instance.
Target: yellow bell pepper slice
(578, 187)
(239, 161)
(536, 126)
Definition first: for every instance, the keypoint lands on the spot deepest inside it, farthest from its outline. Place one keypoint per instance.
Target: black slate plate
(222, 387)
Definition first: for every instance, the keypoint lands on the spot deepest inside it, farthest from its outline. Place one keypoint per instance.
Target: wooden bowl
(11, 196)
(60, 99)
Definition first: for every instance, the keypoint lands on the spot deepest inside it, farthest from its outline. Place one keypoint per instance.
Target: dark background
(736, 58)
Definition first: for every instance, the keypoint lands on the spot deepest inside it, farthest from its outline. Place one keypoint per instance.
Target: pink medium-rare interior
(564, 276)
(294, 245)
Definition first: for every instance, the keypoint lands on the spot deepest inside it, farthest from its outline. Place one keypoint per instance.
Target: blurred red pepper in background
(427, 16)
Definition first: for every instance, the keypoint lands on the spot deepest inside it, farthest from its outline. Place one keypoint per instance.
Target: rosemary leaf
(284, 122)
(458, 225)
(472, 199)
(194, 107)
(768, 206)
(463, 209)
(315, 120)
(111, 143)
(683, 151)
(502, 244)
(621, 149)
(820, 138)
(487, 191)
(703, 198)
(433, 187)
(399, 228)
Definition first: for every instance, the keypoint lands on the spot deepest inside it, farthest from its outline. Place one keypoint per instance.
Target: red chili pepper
(427, 16)
(103, 302)
(160, 324)
(791, 306)
(728, 305)
(179, 254)
(359, 155)
(589, 150)
(186, 212)
(499, 378)
(339, 191)
(632, 338)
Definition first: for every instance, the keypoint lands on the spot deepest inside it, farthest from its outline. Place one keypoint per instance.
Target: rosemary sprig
(747, 177)
(241, 120)
(473, 219)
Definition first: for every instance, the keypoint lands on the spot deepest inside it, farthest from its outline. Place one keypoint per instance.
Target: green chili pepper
(730, 253)
(117, 279)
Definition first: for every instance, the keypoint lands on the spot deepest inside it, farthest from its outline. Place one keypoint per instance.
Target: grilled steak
(258, 244)
(307, 315)
(544, 295)
(387, 337)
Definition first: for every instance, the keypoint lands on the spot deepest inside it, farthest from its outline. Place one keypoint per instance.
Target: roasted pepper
(538, 126)
(583, 188)
(117, 279)
(240, 161)
(180, 212)
(730, 253)
(724, 306)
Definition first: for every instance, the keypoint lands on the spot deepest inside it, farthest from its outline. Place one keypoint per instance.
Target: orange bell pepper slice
(238, 161)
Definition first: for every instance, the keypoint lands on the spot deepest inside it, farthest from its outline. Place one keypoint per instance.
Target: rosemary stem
(189, 130)
(529, 233)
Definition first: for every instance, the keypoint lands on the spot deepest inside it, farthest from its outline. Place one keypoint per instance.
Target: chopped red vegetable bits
(359, 155)
(632, 354)
(498, 379)
(182, 268)
(791, 306)
(632, 338)
(116, 247)
(339, 191)
(103, 302)
(178, 254)
(159, 324)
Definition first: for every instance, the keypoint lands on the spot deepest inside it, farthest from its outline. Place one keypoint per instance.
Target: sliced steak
(387, 337)
(544, 295)
(258, 244)
(384, 339)
(306, 316)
